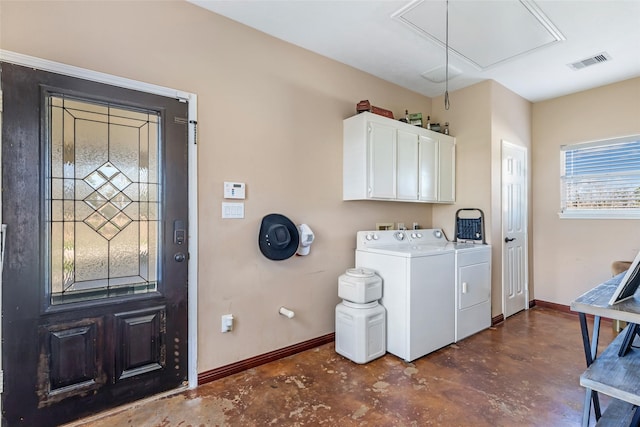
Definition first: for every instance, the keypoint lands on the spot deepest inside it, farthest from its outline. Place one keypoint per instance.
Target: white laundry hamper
(360, 331)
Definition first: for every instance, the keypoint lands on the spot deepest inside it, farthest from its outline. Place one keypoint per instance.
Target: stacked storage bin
(360, 319)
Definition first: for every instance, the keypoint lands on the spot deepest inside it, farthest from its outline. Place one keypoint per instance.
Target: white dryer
(473, 288)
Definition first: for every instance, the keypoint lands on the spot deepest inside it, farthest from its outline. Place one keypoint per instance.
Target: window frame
(615, 213)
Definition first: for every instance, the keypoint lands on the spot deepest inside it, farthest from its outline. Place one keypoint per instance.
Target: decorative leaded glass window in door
(103, 205)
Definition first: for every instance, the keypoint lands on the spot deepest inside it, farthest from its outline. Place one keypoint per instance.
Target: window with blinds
(601, 179)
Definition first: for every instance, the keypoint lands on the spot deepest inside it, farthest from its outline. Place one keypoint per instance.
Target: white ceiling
(399, 41)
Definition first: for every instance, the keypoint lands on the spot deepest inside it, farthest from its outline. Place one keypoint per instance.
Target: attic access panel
(485, 33)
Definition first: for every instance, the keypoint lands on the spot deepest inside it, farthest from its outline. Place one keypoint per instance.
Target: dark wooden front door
(95, 275)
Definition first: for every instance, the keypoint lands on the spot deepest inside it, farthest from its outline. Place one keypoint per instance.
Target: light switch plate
(226, 324)
(232, 210)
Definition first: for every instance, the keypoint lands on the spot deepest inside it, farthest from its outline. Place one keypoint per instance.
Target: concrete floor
(523, 372)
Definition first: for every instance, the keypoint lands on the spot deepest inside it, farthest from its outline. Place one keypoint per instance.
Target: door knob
(509, 239)
(179, 257)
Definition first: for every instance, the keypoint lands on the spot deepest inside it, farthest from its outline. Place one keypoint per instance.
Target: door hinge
(182, 97)
(3, 238)
(195, 131)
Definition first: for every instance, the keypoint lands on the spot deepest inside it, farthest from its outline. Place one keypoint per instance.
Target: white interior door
(514, 229)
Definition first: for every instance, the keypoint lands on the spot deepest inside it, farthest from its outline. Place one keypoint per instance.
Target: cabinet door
(428, 169)
(407, 166)
(447, 170)
(382, 161)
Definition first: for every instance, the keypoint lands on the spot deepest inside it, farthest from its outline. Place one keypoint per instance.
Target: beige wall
(469, 120)
(573, 255)
(511, 122)
(480, 117)
(270, 114)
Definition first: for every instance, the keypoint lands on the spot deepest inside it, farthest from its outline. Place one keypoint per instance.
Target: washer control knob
(414, 235)
(369, 236)
(419, 235)
(375, 236)
(399, 235)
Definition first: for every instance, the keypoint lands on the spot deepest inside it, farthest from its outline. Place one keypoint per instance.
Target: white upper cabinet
(407, 166)
(428, 169)
(385, 159)
(382, 161)
(447, 169)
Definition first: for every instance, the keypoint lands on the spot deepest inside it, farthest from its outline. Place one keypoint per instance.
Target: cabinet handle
(464, 287)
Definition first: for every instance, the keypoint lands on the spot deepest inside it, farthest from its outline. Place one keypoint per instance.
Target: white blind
(601, 176)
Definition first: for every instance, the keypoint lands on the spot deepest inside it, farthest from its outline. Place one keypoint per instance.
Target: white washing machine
(419, 275)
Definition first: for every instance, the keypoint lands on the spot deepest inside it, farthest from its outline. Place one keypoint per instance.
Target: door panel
(73, 363)
(140, 342)
(93, 300)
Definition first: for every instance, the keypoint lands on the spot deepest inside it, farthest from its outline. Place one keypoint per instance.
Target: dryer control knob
(399, 235)
(369, 236)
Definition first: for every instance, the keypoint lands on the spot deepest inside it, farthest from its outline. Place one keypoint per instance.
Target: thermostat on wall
(234, 190)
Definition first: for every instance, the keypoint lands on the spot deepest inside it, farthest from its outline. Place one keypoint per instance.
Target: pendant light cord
(446, 71)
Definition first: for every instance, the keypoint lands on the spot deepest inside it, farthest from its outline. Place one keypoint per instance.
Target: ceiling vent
(596, 59)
